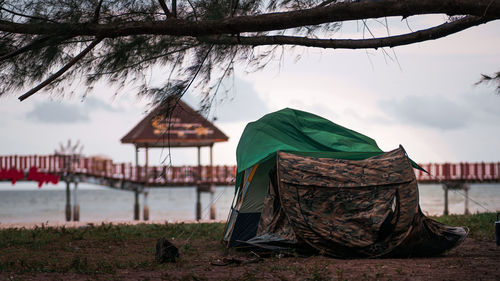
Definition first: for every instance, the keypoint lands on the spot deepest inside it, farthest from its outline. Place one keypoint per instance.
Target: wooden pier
(75, 169)
(458, 176)
(119, 175)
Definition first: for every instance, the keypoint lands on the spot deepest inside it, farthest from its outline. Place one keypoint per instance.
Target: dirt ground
(134, 260)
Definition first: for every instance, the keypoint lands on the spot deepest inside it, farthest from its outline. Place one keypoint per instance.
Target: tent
(306, 184)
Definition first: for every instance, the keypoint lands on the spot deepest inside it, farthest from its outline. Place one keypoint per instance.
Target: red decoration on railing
(42, 178)
(15, 175)
(12, 174)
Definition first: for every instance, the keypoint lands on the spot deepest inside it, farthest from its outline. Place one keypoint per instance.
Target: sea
(25, 203)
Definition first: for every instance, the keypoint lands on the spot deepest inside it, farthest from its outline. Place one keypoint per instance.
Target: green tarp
(298, 131)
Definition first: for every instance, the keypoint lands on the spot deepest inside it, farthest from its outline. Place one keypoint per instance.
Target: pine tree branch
(30, 46)
(487, 79)
(164, 7)
(488, 9)
(97, 12)
(27, 16)
(390, 41)
(174, 8)
(195, 14)
(149, 59)
(62, 70)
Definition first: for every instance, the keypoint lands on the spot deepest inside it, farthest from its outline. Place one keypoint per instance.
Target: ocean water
(25, 203)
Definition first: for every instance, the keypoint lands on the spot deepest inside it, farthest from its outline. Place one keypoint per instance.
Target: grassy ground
(118, 251)
(481, 226)
(71, 249)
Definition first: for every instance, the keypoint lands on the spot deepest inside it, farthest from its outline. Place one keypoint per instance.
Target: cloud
(477, 107)
(436, 112)
(241, 103)
(64, 112)
(92, 103)
(485, 103)
(55, 112)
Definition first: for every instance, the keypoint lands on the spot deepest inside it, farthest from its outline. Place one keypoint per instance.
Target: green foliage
(42, 41)
(179, 62)
(491, 79)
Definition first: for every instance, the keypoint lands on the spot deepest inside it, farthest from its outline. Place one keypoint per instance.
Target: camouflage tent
(307, 184)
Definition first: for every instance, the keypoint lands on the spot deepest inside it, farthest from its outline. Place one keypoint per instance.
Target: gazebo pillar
(137, 170)
(146, 154)
(136, 155)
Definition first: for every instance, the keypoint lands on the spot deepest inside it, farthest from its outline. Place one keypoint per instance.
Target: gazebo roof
(176, 125)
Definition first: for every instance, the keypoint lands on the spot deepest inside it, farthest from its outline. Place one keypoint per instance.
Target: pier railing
(219, 175)
(106, 168)
(459, 172)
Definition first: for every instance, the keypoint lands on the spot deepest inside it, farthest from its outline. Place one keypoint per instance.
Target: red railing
(469, 172)
(95, 167)
(223, 175)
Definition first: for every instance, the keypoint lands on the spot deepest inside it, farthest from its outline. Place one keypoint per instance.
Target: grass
(481, 226)
(106, 249)
(40, 236)
(96, 249)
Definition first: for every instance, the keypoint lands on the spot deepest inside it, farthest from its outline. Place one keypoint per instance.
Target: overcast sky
(425, 100)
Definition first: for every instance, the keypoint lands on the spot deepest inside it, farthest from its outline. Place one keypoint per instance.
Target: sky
(421, 96)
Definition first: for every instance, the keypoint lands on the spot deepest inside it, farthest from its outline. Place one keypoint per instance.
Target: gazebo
(175, 124)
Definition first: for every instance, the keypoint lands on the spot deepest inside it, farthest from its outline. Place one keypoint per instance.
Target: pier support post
(68, 202)
(212, 187)
(466, 188)
(445, 188)
(145, 210)
(198, 204)
(76, 206)
(212, 203)
(198, 191)
(136, 205)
